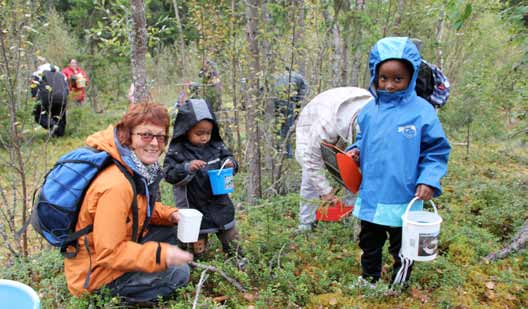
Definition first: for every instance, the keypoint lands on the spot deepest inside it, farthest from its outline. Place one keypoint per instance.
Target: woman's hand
(177, 256)
(354, 154)
(174, 217)
(424, 192)
(196, 165)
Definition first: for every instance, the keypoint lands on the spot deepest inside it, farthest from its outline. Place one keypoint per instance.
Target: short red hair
(138, 114)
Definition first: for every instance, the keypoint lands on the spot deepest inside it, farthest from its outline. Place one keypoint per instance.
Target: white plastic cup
(189, 225)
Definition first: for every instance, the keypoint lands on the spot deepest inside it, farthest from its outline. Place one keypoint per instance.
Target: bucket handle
(222, 167)
(412, 202)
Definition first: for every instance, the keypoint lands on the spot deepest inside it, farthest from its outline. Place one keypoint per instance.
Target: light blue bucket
(17, 295)
(221, 181)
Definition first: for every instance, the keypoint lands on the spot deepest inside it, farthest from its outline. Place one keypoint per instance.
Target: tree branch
(518, 243)
(203, 277)
(222, 273)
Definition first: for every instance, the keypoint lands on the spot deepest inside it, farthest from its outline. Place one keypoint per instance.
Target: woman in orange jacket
(108, 257)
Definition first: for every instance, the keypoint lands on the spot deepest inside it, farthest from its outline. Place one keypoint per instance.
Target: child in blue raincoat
(402, 151)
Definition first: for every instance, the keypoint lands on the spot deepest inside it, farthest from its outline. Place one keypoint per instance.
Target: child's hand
(229, 163)
(424, 192)
(196, 165)
(354, 154)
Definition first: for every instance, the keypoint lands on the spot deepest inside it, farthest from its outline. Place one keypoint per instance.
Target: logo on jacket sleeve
(408, 131)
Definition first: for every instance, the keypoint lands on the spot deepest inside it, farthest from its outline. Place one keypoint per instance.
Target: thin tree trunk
(345, 45)
(11, 64)
(138, 43)
(387, 18)
(180, 38)
(358, 53)
(439, 38)
(399, 15)
(252, 125)
(234, 81)
(299, 37)
(336, 57)
(268, 126)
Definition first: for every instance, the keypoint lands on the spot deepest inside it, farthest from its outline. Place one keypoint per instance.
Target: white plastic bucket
(189, 224)
(420, 233)
(14, 294)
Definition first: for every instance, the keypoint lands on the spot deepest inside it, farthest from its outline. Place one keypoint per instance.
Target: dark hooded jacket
(193, 190)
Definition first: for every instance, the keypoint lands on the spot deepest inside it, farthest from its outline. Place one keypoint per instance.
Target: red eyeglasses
(147, 137)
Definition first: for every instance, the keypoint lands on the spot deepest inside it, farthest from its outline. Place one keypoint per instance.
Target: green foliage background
(485, 54)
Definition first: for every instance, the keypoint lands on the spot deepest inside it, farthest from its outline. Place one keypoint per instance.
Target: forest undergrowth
(483, 204)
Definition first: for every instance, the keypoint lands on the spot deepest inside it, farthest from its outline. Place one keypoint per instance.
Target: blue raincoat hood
(397, 48)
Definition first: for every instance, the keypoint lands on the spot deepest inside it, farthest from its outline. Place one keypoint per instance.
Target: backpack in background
(432, 84)
(53, 89)
(55, 213)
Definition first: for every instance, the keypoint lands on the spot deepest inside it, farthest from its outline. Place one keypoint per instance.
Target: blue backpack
(55, 213)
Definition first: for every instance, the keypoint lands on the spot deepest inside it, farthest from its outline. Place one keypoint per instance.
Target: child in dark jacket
(195, 148)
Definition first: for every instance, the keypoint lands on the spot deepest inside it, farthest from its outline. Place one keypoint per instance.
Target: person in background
(403, 153)
(212, 86)
(77, 80)
(154, 266)
(329, 117)
(195, 148)
(190, 90)
(288, 93)
(50, 89)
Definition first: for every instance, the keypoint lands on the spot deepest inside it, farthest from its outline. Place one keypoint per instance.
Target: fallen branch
(518, 243)
(203, 277)
(222, 273)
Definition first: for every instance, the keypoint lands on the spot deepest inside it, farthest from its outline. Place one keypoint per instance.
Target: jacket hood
(192, 112)
(107, 141)
(398, 48)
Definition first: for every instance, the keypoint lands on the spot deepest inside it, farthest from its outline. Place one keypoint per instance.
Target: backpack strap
(135, 216)
(72, 242)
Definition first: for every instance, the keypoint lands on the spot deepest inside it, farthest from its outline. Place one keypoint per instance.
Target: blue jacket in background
(401, 141)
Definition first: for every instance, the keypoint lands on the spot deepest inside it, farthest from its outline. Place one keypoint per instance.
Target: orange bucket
(333, 213)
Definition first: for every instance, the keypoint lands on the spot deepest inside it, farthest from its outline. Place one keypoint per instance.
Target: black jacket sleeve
(176, 170)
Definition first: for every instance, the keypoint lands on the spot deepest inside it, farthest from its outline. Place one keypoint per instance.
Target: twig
(222, 273)
(6, 239)
(280, 252)
(278, 258)
(203, 277)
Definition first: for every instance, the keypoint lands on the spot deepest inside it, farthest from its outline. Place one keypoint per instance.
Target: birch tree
(252, 124)
(138, 44)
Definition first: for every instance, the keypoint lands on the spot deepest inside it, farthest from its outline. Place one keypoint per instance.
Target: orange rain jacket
(107, 205)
